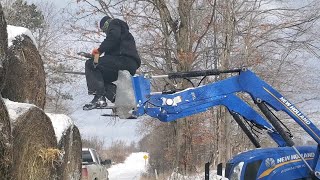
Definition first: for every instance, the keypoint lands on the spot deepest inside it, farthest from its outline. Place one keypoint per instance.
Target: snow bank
(60, 123)
(213, 176)
(14, 31)
(16, 109)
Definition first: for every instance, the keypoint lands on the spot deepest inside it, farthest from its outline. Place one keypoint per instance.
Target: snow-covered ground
(135, 165)
(131, 169)
(213, 176)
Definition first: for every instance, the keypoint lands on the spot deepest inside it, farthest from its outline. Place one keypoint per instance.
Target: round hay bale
(25, 80)
(35, 153)
(69, 142)
(5, 142)
(3, 48)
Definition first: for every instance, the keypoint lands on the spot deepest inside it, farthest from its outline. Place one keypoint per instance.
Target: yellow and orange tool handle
(96, 55)
(96, 58)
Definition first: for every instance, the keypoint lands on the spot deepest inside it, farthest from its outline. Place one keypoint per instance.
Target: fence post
(206, 171)
(156, 173)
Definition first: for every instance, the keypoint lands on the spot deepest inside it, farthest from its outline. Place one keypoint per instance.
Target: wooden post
(219, 169)
(156, 173)
(206, 171)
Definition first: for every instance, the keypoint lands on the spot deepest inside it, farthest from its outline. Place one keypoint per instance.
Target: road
(131, 169)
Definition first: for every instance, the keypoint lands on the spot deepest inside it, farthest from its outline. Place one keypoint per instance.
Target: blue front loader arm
(196, 100)
(259, 89)
(169, 107)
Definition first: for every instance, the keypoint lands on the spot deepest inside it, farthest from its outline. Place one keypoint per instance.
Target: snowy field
(135, 165)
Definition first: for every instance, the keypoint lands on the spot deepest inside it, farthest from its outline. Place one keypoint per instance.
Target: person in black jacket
(120, 53)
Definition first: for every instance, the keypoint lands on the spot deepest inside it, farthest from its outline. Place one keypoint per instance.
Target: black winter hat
(103, 20)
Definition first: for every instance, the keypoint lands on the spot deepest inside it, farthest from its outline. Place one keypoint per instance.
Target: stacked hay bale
(5, 130)
(28, 144)
(35, 152)
(5, 142)
(25, 80)
(34, 146)
(3, 48)
(69, 142)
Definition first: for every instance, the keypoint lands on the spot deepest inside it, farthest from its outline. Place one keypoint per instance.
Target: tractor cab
(271, 163)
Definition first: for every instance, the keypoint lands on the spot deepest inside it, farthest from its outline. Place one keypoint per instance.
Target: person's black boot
(97, 102)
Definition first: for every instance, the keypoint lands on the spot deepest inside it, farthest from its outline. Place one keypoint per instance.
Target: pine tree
(20, 13)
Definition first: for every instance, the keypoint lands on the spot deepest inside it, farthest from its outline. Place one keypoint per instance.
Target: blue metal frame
(195, 100)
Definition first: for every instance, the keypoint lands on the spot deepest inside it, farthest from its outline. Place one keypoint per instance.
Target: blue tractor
(134, 98)
(283, 162)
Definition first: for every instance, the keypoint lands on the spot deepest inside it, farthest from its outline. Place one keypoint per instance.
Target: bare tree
(54, 49)
(118, 151)
(93, 142)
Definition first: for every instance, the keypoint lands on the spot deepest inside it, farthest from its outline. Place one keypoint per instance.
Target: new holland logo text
(294, 157)
(295, 110)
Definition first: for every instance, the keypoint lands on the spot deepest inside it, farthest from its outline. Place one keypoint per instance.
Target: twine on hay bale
(69, 142)
(5, 142)
(25, 80)
(3, 48)
(35, 153)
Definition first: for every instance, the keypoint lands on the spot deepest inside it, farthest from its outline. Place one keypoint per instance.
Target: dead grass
(50, 155)
(153, 177)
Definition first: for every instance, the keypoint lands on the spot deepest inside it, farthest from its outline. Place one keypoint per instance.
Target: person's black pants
(99, 78)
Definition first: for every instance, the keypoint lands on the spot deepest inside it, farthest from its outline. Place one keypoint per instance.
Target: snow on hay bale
(5, 142)
(35, 153)
(25, 80)
(69, 142)
(3, 48)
